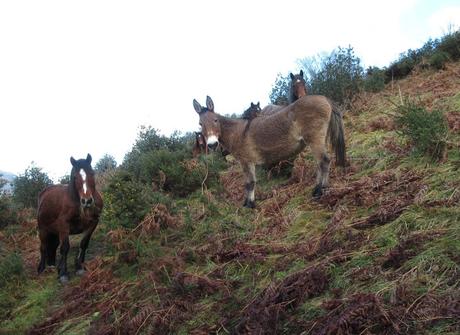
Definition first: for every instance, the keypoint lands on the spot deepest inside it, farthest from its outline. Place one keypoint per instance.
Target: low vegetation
(175, 252)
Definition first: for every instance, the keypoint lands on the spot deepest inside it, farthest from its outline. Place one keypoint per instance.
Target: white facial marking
(297, 81)
(251, 195)
(212, 140)
(83, 177)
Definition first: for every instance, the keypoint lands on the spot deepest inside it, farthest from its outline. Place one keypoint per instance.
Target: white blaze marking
(212, 140)
(251, 195)
(83, 176)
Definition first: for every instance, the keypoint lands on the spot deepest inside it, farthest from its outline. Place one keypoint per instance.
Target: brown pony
(297, 90)
(252, 112)
(200, 144)
(65, 210)
(310, 120)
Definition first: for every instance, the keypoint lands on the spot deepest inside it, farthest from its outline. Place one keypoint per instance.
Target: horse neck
(231, 132)
(292, 94)
(73, 192)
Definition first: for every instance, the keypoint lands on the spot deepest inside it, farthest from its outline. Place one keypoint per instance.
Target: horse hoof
(64, 279)
(249, 204)
(317, 192)
(80, 272)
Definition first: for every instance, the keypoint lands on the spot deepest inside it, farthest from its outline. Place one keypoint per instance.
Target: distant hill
(9, 177)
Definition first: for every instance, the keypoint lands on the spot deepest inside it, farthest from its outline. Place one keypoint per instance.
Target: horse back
(285, 133)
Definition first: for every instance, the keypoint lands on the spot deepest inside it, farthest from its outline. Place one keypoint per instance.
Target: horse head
(199, 140)
(252, 111)
(209, 122)
(82, 180)
(298, 85)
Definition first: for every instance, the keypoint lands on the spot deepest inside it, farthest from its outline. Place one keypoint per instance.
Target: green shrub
(339, 77)
(27, 186)
(439, 59)
(450, 44)
(172, 171)
(11, 266)
(166, 164)
(280, 90)
(374, 80)
(126, 201)
(426, 130)
(8, 211)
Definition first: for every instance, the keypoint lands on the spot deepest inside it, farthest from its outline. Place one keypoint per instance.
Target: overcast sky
(82, 76)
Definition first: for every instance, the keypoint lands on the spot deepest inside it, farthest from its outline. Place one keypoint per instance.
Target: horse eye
(215, 120)
(200, 124)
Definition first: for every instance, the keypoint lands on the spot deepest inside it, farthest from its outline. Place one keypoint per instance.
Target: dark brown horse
(252, 112)
(297, 90)
(310, 120)
(200, 144)
(65, 210)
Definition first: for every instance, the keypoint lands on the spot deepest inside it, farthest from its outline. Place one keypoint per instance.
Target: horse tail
(337, 135)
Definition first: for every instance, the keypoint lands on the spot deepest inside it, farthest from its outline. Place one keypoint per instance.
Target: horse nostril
(90, 201)
(83, 201)
(213, 146)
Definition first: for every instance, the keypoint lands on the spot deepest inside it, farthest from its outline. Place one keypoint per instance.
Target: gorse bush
(340, 76)
(126, 201)
(106, 163)
(374, 80)
(280, 89)
(27, 186)
(165, 163)
(434, 53)
(11, 265)
(426, 130)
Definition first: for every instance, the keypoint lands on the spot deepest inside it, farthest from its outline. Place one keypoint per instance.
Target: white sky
(82, 76)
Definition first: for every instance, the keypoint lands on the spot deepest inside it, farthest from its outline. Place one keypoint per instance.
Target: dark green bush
(374, 80)
(280, 90)
(11, 266)
(339, 77)
(426, 130)
(439, 59)
(450, 44)
(8, 211)
(27, 186)
(126, 201)
(165, 163)
(106, 163)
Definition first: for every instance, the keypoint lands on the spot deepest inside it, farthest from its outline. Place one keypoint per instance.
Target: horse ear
(258, 104)
(252, 105)
(89, 159)
(301, 73)
(209, 103)
(291, 75)
(197, 106)
(73, 161)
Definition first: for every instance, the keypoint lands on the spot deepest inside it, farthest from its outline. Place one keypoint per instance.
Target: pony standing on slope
(310, 121)
(297, 90)
(65, 210)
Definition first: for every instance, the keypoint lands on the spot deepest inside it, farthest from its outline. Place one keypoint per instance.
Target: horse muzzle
(212, 142)
(86, 202)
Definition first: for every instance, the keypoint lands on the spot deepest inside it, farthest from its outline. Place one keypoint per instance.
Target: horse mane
(71, 188)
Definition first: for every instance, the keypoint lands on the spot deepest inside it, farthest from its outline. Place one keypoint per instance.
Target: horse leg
(53, 243)
(322, 175)
(250, 173)
(83, 246)
(64, 250)
(43, 243)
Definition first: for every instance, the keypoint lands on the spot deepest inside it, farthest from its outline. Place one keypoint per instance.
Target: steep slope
(378, 254)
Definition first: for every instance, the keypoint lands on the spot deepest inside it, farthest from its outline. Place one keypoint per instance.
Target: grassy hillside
(378, 254)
